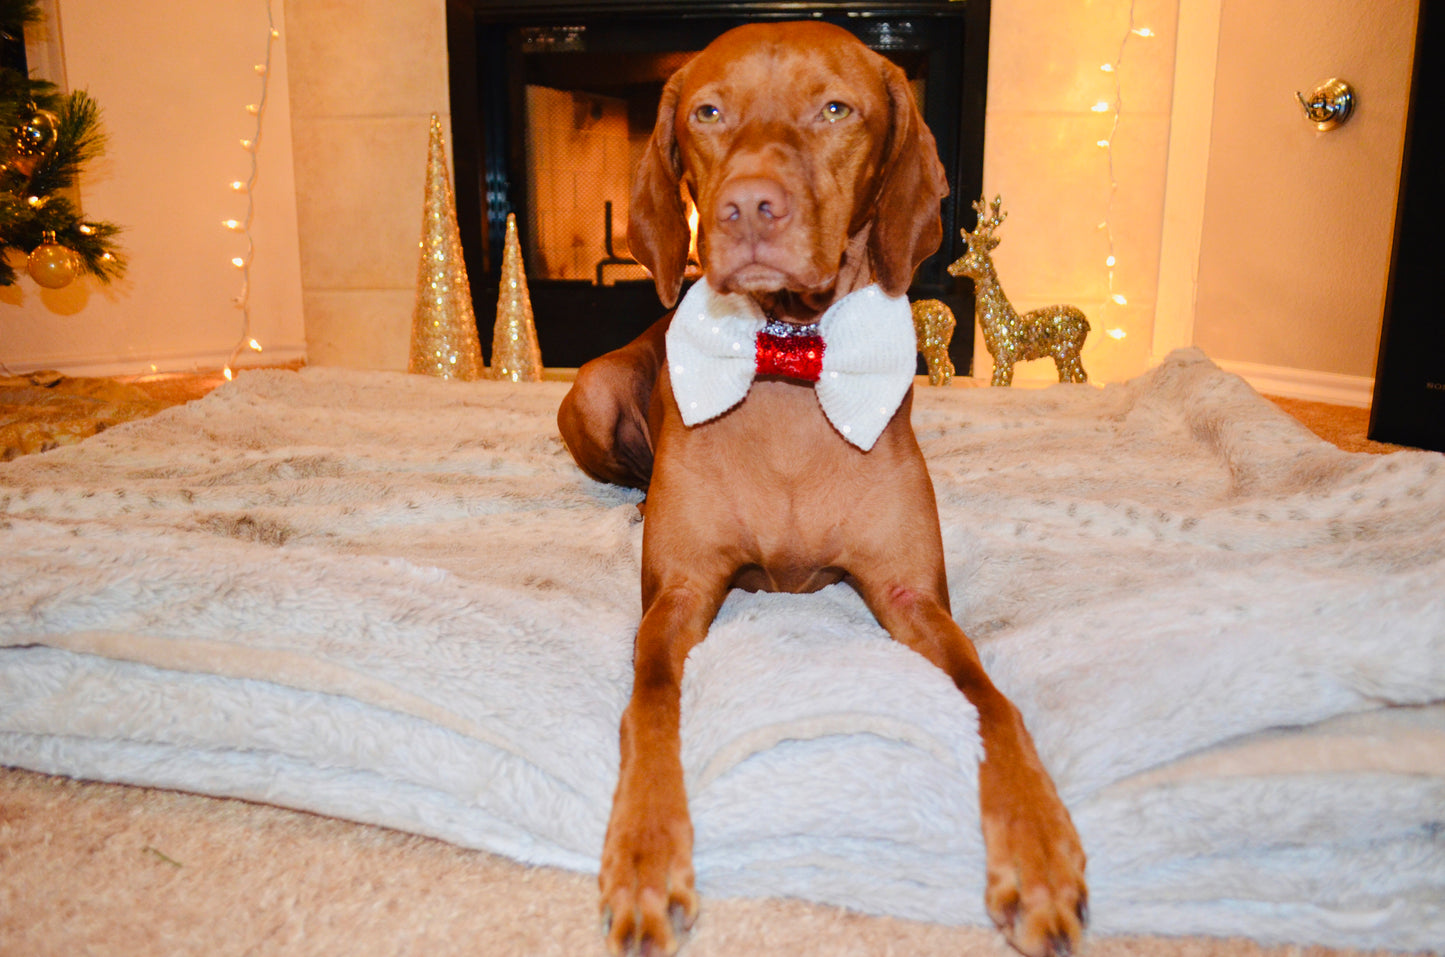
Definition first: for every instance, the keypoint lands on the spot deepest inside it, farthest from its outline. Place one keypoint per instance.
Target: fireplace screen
(586, 118)
(553, 104)
(580, 153)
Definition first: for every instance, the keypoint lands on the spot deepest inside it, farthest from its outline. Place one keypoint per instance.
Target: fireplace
(553, 100)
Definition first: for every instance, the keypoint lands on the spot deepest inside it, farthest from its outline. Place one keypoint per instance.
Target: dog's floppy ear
(907, 226)
(657, 231)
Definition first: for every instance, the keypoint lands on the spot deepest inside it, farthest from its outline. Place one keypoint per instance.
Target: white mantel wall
(364, 76)
(172, 81)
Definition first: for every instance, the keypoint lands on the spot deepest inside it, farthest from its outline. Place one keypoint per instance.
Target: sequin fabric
(1053, 332)
(792, 351)
(516, 355)
(444, 340)
(933, 322)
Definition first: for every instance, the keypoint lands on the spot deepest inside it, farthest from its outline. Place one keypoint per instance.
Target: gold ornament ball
(52, 265)
(37, 135)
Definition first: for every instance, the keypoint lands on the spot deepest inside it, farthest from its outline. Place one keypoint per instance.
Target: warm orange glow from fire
(692, 228)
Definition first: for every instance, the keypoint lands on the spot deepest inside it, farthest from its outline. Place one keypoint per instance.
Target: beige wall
(172, 80)
(364, 76)
(1298, 223)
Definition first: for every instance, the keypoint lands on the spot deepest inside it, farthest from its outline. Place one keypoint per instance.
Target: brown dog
(815, 177)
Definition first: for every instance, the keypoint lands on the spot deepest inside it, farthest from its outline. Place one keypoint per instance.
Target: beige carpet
(107, 869)
(112, 870)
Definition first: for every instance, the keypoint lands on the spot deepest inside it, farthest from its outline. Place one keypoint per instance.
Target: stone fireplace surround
(364, 79)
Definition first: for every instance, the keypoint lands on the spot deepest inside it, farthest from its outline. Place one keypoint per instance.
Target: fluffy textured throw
(394, 599)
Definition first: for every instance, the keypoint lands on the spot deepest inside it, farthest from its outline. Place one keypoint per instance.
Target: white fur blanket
(394, 599)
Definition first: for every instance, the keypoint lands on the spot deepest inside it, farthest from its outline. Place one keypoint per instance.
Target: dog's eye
(707, 113)
(835, 111)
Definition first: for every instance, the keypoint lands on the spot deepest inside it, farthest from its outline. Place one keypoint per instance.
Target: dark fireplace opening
(553, 101)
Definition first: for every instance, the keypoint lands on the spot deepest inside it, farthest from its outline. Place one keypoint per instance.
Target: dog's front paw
(1036, 893)
(648, 901)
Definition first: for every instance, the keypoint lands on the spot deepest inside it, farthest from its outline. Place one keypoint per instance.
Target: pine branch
(17, 89)
(93, 242)
(34, 205)
(99, 256)
(79, 139)
(15, 14)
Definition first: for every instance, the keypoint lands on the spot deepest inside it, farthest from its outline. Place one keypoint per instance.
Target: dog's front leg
(1035, 889)
(646, 879)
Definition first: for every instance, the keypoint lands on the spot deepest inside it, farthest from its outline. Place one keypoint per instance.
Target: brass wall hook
(1329, 104)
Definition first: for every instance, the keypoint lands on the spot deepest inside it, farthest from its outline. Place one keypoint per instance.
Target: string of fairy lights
(1116, 108)
(252, 146)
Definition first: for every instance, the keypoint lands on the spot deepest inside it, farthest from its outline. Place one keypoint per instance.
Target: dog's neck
(855, 270)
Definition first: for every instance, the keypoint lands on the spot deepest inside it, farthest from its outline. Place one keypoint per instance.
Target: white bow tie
(860, 355)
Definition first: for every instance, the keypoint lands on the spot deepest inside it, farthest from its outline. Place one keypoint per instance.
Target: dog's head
(807, 159)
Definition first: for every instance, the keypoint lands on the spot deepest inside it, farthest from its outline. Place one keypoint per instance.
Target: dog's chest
(786, 447)
(782, 488)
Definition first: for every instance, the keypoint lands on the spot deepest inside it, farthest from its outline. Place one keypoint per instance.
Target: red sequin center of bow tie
(794, 356)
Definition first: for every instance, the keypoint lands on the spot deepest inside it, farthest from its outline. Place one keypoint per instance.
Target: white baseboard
(192, 363)
(1283, 381)
(1331, 387)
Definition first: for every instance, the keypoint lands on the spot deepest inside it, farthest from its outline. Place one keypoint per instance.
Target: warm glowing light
(1116, 107)
(252, 146)
(227, 373)
(692, 231)
(86, 229)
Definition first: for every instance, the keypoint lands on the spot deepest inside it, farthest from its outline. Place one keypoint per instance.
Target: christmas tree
(46, 138)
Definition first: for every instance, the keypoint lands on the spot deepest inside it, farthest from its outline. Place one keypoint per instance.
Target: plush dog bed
(395, 600)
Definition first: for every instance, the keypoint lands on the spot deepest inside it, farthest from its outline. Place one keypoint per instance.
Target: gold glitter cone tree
(515, 353)
(444, 339)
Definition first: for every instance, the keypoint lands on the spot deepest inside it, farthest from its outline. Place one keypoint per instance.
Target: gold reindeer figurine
(933, 323)
(1053, 332)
